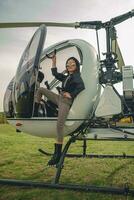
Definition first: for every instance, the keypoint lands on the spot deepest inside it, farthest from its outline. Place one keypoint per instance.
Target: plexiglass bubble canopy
(25, 84)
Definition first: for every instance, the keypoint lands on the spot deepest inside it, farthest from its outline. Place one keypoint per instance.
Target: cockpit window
(29, 54)
(61, 57)
(47, 108)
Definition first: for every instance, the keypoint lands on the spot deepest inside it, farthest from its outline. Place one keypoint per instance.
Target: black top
(71, 83)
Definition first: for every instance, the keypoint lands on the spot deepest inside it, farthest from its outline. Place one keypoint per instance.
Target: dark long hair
(76, 61)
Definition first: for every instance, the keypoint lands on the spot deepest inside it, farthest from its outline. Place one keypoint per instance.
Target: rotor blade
(86, 25)
(116, 49)
(121, 18)
(37, 24)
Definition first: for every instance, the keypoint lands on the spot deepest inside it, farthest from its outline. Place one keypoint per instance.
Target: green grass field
(20, 159)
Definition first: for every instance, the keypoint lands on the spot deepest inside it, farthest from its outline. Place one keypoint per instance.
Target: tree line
(2, 118)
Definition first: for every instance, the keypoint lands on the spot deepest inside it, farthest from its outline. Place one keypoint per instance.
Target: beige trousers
(63, 104)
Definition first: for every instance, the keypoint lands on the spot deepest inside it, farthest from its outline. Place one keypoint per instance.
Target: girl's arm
(57, 75)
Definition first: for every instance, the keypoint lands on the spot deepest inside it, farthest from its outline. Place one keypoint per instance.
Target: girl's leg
(48, 93)
(64, 107)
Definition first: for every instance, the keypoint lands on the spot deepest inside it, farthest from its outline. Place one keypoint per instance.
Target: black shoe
(56, 156)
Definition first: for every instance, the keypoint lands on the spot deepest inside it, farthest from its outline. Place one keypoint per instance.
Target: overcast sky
(13, 41)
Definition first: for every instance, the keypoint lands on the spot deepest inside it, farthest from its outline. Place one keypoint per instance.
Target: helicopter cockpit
(34, 71)
(34, 64)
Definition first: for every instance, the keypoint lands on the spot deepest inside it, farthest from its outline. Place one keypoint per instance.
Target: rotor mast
(106, 25)
(110, 76)
(110, 25)
(111, 58)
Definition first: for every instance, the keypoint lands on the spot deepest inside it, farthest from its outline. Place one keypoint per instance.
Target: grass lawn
(20, 159)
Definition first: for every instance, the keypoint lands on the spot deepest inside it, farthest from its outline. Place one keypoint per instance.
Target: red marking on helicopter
(19, 124)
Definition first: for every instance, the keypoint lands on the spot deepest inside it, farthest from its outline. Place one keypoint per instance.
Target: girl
(72, 85)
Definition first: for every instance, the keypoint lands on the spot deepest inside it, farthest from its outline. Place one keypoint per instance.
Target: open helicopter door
(26, 75)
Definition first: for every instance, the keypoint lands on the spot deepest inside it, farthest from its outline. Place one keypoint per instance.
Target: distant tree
(2, 118)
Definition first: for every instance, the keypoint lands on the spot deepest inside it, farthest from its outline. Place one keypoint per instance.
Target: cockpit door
(26, 75)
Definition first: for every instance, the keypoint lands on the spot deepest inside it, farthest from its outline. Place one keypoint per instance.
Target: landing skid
(85, 155)
(65, 150)
(86, 188)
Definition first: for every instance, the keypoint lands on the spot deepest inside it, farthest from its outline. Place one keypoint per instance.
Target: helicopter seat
(47, 109)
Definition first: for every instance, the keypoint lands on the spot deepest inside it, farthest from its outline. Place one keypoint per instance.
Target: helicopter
(91, 110)
(97, 109)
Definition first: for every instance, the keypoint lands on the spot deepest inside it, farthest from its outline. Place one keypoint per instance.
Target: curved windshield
(25, 79)
(29, 54)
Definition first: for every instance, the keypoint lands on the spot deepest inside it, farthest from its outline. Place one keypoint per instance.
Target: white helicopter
(90, 107)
